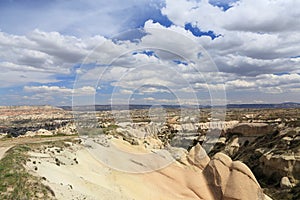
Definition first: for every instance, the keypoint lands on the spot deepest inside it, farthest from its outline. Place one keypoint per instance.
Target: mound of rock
(231, 179)
(227, 179)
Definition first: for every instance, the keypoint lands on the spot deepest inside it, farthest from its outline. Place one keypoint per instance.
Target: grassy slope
(15, 182)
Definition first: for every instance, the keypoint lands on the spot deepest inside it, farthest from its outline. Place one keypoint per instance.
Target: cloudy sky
(149, 51)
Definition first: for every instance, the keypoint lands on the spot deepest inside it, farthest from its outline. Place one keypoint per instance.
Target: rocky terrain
(267, 140)
(35, 120)
(72, 173)
(191, 156)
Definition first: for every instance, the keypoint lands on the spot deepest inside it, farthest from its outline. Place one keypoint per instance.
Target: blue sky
(162, 52)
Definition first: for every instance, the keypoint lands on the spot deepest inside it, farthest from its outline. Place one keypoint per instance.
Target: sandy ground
(80, 175)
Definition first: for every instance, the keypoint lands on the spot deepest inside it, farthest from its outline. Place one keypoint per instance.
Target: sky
(207, 52)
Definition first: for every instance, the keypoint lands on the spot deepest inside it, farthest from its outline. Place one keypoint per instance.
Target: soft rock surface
(73, 173)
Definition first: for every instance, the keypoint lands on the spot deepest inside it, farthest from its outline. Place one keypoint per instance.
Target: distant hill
(115, 107)
(280, 105)
(135, 106)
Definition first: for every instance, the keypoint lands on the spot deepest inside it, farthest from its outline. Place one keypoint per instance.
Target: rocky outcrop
(251, 129)
(229, 179)
(68, 129)
(226, 179)
(280, 165)
(274, 158)
(285, 183)
(186, 127)
(40, 132)
(198, 157)
(138, 130)
(221, 125)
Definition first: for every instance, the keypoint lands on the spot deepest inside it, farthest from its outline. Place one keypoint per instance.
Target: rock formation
(198, 157)
(285, 183)
(251, 129)
(192, 176)
(229, 179)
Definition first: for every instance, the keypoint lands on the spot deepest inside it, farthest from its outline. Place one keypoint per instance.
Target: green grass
(15, 182)
(110, 128)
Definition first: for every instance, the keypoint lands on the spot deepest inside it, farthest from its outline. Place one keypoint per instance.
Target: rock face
(229, 179)
(139, 130)
(274, 157)
(252, 129)
(280, 164)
